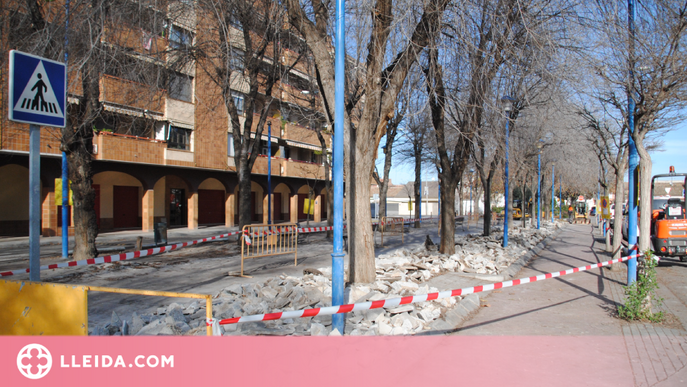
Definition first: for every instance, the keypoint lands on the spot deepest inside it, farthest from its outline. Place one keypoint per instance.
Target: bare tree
(388, 149)
(382, 79)
(610, 144)
(98, 47)
(648, 64)
(240, 49)
(416, 149)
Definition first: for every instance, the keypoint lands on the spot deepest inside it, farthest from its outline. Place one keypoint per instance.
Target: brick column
(148, 210)
(49, 216)
(229, 204)
(192, 210)
(317, 215)
(293, 208)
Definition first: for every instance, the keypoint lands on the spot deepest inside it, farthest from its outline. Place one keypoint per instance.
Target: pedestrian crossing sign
(38, 93)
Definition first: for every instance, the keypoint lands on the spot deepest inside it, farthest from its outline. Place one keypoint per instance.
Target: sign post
(37, 96)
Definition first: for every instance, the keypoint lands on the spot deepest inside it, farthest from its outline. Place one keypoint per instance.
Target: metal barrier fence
(262, 240)
(391, 225)
(41, 308)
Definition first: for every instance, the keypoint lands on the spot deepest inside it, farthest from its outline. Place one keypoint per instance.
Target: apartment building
(166, 153)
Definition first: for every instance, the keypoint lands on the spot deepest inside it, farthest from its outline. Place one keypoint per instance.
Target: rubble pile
(399, 273)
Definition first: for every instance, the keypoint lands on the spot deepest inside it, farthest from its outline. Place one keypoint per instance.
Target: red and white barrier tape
(153, 251)
(120, 257)
(411, 299)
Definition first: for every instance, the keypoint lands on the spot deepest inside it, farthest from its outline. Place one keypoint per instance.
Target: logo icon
(34, 361)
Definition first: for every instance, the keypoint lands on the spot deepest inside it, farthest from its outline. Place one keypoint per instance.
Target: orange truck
(668, 221)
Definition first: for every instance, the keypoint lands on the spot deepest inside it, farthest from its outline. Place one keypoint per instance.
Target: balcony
(260, 165)
(137, 40)
(302, 134)
(121, 147)
(296, 168)
(128, 93)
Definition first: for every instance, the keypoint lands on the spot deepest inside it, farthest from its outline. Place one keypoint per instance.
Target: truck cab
(668, 221)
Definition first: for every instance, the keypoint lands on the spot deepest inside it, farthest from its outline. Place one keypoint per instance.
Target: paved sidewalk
(584, 305)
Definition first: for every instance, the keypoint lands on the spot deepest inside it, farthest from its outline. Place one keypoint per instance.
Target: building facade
(166, 154)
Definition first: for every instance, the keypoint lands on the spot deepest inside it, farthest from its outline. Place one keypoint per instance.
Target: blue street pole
(508, 102)
(598, 201)
(269, 173)
(553, 190)
(337, 254)
(35, 203)
(539, 190)
(633, 157)
(65, 165)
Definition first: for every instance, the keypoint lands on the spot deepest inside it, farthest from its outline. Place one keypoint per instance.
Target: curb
(459, 313)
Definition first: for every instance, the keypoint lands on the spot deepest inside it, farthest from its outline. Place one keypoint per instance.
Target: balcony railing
(128, 93)
(122, 147)
(289, 167)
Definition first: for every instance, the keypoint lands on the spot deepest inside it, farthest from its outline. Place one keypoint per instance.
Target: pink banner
(306, 361)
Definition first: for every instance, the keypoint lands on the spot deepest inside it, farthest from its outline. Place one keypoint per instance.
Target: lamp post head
(507, 103)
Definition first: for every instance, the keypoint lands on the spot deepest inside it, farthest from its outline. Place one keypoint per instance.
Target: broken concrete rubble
(400, 273)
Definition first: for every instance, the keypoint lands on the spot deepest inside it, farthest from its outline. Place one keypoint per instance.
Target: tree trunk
(523, 202)
(79, 146)
(362, 268)
(327, 184)
(243, 172)
(448, 214)
(384, 187)
(645, 198)
(618, 219)
(486, 231)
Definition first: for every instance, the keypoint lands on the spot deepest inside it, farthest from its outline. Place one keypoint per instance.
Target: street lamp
(507, 103)
(540, 144)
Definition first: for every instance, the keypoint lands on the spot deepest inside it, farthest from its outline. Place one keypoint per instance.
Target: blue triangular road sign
(38, 95)
(37, 90)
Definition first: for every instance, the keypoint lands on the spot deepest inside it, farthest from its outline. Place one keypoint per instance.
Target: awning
(264, 137)
(303, 145)
(131, 112)
(181, 125)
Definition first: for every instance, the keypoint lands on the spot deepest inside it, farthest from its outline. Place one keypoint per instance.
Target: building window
(230, 145)
(238, 102)
(181, 87)
(236, 60)
(179, 138)
(180, 38)
(235, 22)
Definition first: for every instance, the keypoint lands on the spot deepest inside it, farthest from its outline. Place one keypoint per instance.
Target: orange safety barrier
(262, 240)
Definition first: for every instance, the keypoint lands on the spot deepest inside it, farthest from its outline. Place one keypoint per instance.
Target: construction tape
(393, 302)
(120, 257)
(158, 250)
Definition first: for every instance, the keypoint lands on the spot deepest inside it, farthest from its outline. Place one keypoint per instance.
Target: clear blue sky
(674, 152)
